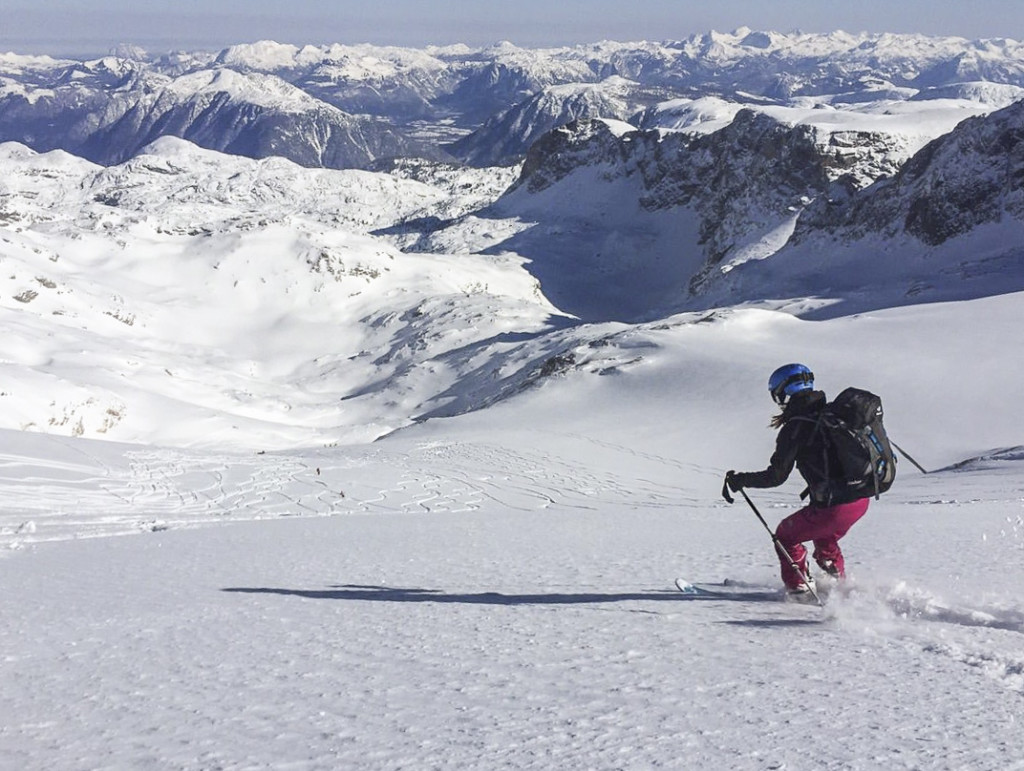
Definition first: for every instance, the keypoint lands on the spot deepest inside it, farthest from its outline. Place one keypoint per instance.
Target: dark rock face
(744, 183)
(753, 169)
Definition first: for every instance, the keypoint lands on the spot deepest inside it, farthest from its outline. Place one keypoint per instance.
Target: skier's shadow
(770, 623)
(360, 593)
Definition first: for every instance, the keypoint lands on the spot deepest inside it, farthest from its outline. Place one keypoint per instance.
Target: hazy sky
(94, 26)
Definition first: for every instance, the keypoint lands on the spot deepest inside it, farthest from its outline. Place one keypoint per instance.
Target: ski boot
(802, 592)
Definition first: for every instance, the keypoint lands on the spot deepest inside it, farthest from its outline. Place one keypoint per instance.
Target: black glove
(732, 484)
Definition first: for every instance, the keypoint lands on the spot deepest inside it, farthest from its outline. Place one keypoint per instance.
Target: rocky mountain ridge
(602, 202)
(972, 176)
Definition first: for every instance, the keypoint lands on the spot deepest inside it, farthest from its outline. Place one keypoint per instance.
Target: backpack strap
(817, 429)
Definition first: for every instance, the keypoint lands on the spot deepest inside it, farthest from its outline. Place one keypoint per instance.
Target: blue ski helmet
(788, 380)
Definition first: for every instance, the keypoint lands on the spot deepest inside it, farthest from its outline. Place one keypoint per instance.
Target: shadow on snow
(357, 593)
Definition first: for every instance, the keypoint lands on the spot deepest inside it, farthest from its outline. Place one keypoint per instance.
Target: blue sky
(94, 26)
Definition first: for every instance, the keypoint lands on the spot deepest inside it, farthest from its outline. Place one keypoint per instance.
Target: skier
(826, 519)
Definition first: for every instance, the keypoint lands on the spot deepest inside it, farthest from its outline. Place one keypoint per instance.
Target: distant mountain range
(355, 106)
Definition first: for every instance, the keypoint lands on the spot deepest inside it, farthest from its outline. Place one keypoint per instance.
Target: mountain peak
(261, 55)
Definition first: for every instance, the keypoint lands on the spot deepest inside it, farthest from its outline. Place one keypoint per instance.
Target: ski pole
(782, 549)
(906, 455)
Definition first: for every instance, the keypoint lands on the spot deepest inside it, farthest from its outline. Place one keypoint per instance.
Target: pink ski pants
(823, 526)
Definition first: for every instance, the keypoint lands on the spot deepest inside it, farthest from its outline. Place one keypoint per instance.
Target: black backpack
(858, 460)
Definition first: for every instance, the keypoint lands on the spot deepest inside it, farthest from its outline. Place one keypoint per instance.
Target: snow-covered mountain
(452, 287)
(154, 251)
(967, 178)
(191, 280)
(948, 225)
(624, 224)
(861, 142)
(106, 111)
(504, 138)
(348, 106)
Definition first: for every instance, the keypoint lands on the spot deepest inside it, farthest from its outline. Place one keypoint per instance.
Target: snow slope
(495, 590)
(197, 284)
(489, 584)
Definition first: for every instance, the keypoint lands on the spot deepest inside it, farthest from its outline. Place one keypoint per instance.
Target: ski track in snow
(158, 489)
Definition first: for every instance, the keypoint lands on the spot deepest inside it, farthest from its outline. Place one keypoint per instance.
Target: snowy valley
(408, 381)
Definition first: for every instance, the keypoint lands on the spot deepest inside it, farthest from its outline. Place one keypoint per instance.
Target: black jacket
(797, 443)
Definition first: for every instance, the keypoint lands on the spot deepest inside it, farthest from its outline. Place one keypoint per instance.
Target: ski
(731, 589)
(687, 588)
